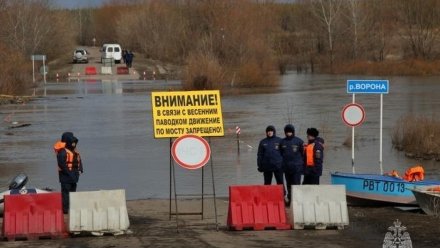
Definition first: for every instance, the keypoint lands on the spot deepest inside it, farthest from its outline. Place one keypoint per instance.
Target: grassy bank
(7, 99)
(418, 137)
(408, 67)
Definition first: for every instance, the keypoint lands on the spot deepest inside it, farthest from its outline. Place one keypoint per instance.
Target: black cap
(312, 132)
(289, 128)
(65, 136)
(270, 128)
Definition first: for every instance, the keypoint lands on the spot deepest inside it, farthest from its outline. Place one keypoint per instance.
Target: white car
(111, 51)
(80, 55)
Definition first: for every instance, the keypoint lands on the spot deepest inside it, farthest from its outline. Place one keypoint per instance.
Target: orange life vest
(70, 155)
(415, 173)
(393, 173)
(310, 156)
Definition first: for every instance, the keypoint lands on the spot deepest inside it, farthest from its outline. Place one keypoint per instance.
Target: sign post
(353, 115)
(39, 57)
(352, 141)
(371, 87)
(188, 116)
(237, 133)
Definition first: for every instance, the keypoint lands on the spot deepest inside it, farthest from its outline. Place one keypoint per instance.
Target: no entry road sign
(368, 86)
(38, 57)
(353, 114)
(191, 151)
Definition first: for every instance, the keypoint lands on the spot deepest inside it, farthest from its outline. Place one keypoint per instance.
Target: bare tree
(357, 20)
(328, 12)
(421, 21)
(29, 27)
(26, 25)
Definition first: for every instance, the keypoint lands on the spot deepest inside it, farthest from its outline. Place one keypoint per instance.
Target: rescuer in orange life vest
(69, 166)
(313, 157)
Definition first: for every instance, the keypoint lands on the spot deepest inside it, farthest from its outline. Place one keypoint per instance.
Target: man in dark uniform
(269, 160)
(69, 166)
(292, 149)
(313, 157)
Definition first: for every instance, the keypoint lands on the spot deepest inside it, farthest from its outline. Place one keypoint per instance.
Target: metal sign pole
(175, 197)
(208, 156)
(203, 183)
(33, 69)
(171, 176)
(380, 134)
(44, 70)
(238, 143)
(213, 188)
(352, 144)
(370, 87)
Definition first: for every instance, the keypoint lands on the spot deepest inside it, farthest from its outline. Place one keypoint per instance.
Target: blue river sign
(368, 86)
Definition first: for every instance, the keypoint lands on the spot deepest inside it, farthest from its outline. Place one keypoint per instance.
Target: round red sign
(191, 151)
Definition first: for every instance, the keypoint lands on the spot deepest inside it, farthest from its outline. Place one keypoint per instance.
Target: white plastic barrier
(98, 212)
(106, 70)
(318, 206)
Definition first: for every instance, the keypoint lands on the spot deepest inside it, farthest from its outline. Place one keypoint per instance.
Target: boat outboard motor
(18, 181)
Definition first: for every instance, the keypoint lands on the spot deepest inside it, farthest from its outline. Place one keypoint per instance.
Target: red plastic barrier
(33, 216)
(122, 70)
(90, 70)
(257, 207)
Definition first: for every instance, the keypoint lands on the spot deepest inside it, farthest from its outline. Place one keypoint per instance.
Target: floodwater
(113, 122)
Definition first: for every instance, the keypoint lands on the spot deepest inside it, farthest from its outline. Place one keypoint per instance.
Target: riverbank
(149, 69)
(151, 226)
(8, 99)
(409, 67)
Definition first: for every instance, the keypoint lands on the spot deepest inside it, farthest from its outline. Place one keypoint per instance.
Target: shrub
(203, 71)
(417, 136)
(14, 72)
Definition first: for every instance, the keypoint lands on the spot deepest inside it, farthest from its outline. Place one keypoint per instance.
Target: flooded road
(113, 122)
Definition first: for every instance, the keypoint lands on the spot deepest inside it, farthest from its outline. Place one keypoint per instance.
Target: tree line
(243, 43)
(30, 27)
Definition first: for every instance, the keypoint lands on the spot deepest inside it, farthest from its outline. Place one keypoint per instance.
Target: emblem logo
(397, 237)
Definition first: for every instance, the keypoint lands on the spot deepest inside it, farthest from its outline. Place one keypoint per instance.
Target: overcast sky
(73, 4)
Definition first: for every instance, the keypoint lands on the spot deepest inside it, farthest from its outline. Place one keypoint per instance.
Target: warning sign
(176, 113)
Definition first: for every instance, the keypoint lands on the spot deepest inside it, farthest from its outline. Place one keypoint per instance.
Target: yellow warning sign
(176, 113)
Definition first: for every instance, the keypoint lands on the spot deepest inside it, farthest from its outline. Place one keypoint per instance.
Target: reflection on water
(114, 125)
(107, 87)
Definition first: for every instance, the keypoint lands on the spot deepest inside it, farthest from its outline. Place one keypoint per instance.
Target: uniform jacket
(269, 157)
(65, 175)
(318, 158)
(292, 151)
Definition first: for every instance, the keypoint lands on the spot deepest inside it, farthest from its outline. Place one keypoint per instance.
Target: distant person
(129, 58)
(124, 54)
(269, 159)
(292, 149)
(69, 166)
(313, 157)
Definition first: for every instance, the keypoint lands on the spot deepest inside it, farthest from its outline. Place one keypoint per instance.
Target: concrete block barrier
(319, 206)
(90, 70)
(257, 207)
(122, 70)
(98, 212)
(106, 70)
(33, 216)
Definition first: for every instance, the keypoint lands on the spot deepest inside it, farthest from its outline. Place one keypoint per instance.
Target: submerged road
(78, 70)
